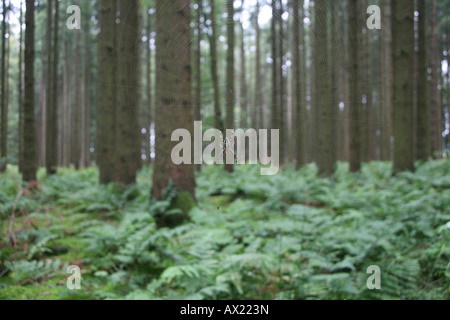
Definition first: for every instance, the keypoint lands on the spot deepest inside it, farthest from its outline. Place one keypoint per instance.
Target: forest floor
(290, 236)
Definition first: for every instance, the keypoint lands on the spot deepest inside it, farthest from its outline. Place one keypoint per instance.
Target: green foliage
(291, 236)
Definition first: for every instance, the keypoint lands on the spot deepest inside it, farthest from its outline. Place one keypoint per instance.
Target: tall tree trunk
(29, 151)
(322, 99)
(198, 63)
(258, 108)
(4, 106)
(355, 94)
(298, 84)
(128, 148)
(148, 119)
(106, 97)
(214, 73)
(67, 115)
(20, 88)
(282, 107)
(243, 72)
(403, 39)
(78, 105)
(173, 93)
(436, 107)
(52, 99)
(423, 148)
(87, 101)
(230, 96)
(275, 68)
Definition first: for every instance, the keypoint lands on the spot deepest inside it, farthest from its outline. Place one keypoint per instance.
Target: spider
(228, 147)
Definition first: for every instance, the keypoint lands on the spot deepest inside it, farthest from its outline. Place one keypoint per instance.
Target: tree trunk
(403, 39)
(355, 94)
(258, 108)
(149, 117)
(77, 112)
(29, 151)
(198, 62)
(4, 106)
(436, 107)
(20, 88)
(423, 147)
(106, 97)
(243, 72)
(173, 94)
(230, 96)
(128, 133)
(299, 85)
(322, 99)
(214, 73)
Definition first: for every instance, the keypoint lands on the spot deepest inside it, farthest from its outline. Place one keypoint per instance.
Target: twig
(12, 236)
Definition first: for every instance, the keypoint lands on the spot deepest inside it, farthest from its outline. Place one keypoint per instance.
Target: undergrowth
(290, 236)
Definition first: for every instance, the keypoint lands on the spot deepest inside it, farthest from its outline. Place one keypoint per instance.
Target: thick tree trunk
(403, 39)
(173, 93)
(106, 97)
(128, 143)
(29, 151)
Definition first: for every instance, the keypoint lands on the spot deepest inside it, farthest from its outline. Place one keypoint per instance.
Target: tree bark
(214, 73)
(423, 147)
(355, 94)
(173, 93)
(230, 96)
(29, 152)
(436, 107)
(403, 39)
(4, 106)
(128, 143)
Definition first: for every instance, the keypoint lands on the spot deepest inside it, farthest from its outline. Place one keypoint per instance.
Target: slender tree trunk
(275, 69)
(20, 88)
(243, 81)
(214, 73)
(52, 100)
(282, 107)
(355, 94)
(78, 105)
(258, 109)
(4, 106)
(173, 94)
(423, 110)
(198, 62)
(299, 85)
(148, 120)
(403, 39)
(230, 96)
(436, 108)
(87, 102)
(322, 100)
(29, 151)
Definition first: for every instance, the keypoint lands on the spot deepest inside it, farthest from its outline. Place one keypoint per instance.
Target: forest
(225, 150)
